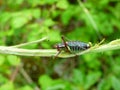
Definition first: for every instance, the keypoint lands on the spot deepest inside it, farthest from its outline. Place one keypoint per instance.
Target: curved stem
(113, 45)
(32, 42)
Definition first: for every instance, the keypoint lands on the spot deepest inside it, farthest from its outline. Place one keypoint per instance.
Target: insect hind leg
(57, 54)
(64, 42)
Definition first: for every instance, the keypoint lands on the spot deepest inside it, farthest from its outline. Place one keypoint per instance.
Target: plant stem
(32, 42)
(113, 45)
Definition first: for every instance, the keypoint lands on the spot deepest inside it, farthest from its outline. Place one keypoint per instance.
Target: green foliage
(21, 18)
(88, 20)
(7, 86)
(2, 59)
(91, 79)
(115, 83)
(105, 84)
(84, 81)
(62, 4)
(27, 87)
(48, 84)
(92, 63)
(13, 60)
(3, 79)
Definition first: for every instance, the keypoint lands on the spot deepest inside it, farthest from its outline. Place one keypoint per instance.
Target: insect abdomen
(76, 46)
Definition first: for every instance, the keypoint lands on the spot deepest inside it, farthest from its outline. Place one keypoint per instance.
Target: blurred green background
(28, 20)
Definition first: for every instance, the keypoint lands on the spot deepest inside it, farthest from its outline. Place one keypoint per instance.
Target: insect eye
(88, 45)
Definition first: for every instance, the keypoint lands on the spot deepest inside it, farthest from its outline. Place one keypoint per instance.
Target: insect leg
(66, 46)
(57, 54)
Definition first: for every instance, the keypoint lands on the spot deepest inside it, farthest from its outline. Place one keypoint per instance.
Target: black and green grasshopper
(72, 46)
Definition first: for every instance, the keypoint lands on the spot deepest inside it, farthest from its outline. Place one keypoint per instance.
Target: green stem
(113, 45)
(32, 42)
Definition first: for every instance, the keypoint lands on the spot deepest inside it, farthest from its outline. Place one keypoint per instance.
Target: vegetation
(29, 30)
